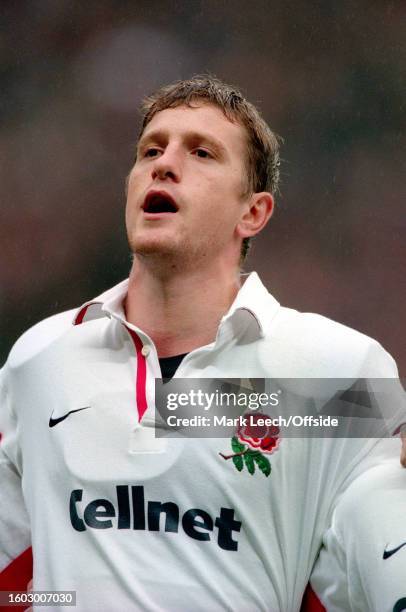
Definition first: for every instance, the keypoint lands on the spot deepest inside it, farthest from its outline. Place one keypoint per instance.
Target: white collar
(252, 297)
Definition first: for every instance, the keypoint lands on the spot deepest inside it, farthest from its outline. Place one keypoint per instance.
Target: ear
(258, 211)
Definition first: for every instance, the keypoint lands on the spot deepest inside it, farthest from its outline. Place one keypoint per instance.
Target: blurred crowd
(329, 77)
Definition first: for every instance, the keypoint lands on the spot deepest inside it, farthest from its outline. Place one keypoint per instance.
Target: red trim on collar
(141, 380)
(81, 314)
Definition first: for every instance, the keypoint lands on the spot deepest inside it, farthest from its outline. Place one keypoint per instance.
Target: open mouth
(159, 203)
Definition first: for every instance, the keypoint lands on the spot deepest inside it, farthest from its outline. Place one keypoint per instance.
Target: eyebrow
(160, 134)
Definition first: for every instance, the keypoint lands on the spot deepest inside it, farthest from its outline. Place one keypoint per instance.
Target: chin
(151, 246)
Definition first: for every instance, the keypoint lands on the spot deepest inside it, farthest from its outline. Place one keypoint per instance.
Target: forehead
(205, 119)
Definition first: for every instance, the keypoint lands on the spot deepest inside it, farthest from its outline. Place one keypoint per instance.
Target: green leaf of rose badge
(252, 443)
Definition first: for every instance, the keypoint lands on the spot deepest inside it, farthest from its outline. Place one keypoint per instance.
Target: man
(136, 522)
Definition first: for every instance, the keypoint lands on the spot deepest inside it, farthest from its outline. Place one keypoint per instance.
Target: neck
(180, 309)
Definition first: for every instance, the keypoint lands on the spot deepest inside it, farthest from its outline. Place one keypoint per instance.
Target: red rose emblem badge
(259, 436)
(252, 439)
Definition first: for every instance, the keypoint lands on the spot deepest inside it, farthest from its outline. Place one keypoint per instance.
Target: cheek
(133, 188)
(132, 181)
(234, 186)
(131, 205)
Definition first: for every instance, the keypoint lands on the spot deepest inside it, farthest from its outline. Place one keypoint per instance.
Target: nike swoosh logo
(53, 422)
(389, 553)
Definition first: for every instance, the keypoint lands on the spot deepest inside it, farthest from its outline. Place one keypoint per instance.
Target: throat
(179, 313)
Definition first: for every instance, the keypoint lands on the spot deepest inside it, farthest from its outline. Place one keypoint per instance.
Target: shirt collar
(252, 298)
(255, 299)
(108, 303)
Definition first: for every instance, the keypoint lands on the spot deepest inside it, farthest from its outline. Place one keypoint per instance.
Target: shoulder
(322, 347)
(39, 337)
(376, 495)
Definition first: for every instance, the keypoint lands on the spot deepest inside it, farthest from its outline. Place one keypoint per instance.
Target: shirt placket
(144, 374)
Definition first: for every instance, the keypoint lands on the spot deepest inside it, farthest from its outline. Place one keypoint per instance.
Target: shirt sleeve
(351, 573)
(374, 406)
(15, 542)
(362, 564)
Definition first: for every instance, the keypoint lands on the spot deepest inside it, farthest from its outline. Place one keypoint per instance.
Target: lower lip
(157, 216)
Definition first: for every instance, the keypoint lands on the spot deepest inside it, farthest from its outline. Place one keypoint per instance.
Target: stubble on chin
(150, 246)
(156, 253)
(164, 258)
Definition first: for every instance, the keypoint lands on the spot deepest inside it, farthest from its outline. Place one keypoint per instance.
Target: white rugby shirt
(132, 522)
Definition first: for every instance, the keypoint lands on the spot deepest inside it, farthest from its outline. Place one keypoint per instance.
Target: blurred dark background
(328, 76)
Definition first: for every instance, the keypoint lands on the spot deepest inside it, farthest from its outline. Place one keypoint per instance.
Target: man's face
(185, 191)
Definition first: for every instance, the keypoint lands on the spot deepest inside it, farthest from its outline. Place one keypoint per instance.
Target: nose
(167, 165)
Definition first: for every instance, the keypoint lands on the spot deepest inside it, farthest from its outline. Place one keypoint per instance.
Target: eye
(151, 152)
(202, 153)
